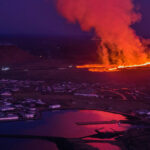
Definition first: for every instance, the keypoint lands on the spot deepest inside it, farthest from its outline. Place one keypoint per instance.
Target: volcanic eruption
(119, 46)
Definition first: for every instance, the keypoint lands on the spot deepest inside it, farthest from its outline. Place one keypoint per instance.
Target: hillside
(11, 54)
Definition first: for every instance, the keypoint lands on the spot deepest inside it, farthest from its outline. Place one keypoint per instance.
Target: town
(25, 107)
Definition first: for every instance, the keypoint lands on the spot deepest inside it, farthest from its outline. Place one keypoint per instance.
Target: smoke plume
(111, 20)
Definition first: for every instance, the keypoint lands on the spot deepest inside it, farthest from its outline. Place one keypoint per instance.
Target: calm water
(58, 124)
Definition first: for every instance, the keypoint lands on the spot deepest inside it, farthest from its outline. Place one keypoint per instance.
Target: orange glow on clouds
(119, 46)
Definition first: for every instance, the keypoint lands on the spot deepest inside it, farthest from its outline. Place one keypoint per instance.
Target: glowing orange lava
(110, 68)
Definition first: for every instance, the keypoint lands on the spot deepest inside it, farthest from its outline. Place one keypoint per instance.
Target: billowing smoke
(111, 20)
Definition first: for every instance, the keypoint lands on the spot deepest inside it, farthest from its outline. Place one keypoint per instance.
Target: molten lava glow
(110, 68)
(112, 22)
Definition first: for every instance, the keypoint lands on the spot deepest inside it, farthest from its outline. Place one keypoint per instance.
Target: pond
(59, 124)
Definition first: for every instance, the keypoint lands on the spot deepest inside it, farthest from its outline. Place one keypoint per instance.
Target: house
(7, 108)
(7, 93)
(9, 117)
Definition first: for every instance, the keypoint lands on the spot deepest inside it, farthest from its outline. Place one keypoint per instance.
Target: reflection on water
(104, 146)
(60, 124)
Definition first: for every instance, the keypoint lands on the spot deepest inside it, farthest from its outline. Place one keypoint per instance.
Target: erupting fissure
(119, 46)
(110, 68)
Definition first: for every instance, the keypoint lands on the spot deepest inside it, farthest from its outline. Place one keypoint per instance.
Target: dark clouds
(40, 17)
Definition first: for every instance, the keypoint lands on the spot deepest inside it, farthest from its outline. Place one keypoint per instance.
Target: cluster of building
(7, 87)
(19, 110)
(97, 90)
(14, 109)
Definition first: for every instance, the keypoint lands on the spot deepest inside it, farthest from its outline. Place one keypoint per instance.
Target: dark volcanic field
(134, 84)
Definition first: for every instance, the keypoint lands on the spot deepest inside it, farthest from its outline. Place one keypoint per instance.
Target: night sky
(40, 17)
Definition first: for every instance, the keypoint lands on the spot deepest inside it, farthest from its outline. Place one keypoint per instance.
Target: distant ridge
(11, 54)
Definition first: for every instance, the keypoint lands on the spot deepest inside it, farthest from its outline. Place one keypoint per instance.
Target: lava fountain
(119, 46)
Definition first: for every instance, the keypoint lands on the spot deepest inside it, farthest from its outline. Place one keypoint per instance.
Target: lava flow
(112, 20)
(110, 68)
